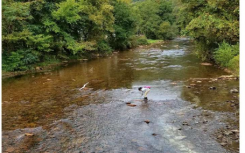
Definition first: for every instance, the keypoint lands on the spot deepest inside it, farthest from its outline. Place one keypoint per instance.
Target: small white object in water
(84, 86)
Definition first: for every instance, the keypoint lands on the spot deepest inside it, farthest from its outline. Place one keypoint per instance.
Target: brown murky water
(97, 120)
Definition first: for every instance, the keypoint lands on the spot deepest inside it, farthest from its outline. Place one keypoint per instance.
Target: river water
(183, 111)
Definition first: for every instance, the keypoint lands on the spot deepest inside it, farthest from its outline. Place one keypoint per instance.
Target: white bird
(84, 86)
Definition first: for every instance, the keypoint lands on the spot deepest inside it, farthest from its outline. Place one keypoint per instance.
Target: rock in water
(38, 68)
(132, 105)
(223, 144)
(227, 133)
(220, 136)
(147, 121)
(234, 91)
(205, 121)
(173, 83)
(206, 64)
(235, 131)
(185, 123)
(29, 134)
(212, 88)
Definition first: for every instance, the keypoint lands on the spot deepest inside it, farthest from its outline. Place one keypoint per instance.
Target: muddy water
(64, 119)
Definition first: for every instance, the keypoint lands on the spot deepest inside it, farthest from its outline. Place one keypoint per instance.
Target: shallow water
(52, 98)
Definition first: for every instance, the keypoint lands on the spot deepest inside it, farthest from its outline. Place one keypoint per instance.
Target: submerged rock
(180, 137)
(235, 131)
(223, 144)
(227, 133)
(132, 105)
(29, 134)
(185, 123)
(173, 83)
(220, 136)
(234, 91)
(206, 64)
(205, 121)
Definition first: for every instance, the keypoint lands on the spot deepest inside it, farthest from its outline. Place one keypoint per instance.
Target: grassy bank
(227, 56)
(151, 41)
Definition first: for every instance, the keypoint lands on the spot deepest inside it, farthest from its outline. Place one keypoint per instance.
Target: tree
(124, 26)
(153, 13)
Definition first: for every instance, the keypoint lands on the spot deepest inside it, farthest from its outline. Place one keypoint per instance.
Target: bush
(225, 53)
(202, 50)
(103, 47)
(133, 41)
(19, 60)
(138, 40)
(142, 40)
(234, 64)
(167, 31)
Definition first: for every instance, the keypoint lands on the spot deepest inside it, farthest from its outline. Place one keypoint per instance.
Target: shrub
(103, 47)
(19, 60)
(167, 31)
(142, 40)
(234, 64)
(225, 53)
(138, 40)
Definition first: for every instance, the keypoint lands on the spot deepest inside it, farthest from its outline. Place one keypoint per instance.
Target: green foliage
(214, 25)
(15, 16)
(151, 41)
(150, 18)
(62, 29)
(67, 11)
(32, 31)
(166, 31)
(136, 40)
(156, 19)
(103, 47)
(214, 29)
(19, 60)
(142, 40)
(234, 64)
(209, 23)
(225, 53)
(124, 26)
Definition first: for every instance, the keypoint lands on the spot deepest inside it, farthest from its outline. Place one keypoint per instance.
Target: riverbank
(51, 65)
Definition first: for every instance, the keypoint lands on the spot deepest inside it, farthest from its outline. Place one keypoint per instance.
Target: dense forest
(39, 31)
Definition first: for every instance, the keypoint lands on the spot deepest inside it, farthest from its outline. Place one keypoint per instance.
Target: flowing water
(96, 119)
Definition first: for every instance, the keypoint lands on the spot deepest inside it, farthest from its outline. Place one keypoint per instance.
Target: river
(189, 105)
